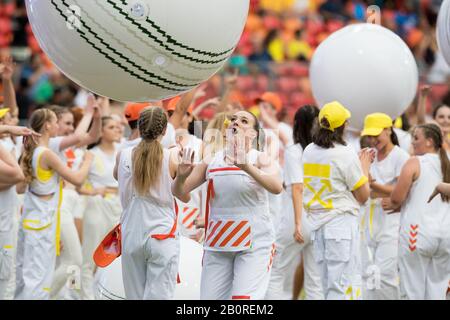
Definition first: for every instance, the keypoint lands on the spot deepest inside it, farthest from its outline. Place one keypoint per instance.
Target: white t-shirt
(404, 139)
(293, 166)
(330, 176)
(8, 145)
(54, 144)
(388, 170)
(102, 168)
(288, 131)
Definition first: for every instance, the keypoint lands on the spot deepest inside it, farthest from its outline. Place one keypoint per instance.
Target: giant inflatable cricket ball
(368, 69)
(443, 30)
(138, 50)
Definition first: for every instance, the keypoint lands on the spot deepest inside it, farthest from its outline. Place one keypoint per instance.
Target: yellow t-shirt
(296, 48)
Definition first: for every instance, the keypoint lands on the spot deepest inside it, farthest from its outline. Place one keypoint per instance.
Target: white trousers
(424, 264)
(35, 263)
(288, 255)
(382, 265)
(241, 275)
(337, 252)
(70, 260)
(149, 266)
(6, 260)
(100, 217)
(11, 286)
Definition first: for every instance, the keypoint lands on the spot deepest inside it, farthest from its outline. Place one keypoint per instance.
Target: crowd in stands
(273, 55)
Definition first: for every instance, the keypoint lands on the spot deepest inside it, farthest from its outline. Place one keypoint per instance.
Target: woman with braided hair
(150, 243)
(424, 249)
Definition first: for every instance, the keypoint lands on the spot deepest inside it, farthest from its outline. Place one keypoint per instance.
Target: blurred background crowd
(273, 55)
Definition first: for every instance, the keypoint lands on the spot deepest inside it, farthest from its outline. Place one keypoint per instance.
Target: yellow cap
(3, 112)
(375, 123)
(255, 111)
(335, 113)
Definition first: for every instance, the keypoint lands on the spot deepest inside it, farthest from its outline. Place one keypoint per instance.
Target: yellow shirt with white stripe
(330, 176)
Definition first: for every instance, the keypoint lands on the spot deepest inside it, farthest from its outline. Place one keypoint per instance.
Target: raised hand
(186, 165)
(7, 68)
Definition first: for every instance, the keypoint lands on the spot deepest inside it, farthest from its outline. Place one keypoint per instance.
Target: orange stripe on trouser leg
(240, 297)
(242, 238)
(221, 232)
(232, 234)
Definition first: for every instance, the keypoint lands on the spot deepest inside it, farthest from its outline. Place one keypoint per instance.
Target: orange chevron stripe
(186, 219)
(213, 230)
(221, 232)
(232, 234)
(242, 238)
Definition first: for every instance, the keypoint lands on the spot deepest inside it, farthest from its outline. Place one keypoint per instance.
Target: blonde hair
(37, 121)
(212, 144)
(148, 156)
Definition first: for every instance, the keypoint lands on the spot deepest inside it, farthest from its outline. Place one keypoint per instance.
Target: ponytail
(37, 121)
(433, 132)
(27, 157)
(148, 155)
(147, 163)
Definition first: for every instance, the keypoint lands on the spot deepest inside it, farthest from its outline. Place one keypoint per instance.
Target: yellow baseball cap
(335, 113)
(375, 123)
(3, 112)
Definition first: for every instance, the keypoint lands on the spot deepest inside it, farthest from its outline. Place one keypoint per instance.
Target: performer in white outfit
(380, 228)
(10, 175)
(239, 240)
(150, 242)
(39, 231)
(68, 145)
(103, 207)
(335, 185)
(424, 252)
(293, 234)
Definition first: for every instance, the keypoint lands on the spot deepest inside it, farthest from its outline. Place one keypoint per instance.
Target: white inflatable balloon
(109, 282)
(367, 68)
(138, 50)
(443, 30)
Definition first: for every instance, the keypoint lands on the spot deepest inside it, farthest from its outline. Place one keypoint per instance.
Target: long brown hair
(148, 155)
(37, 121)
(433, 132)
